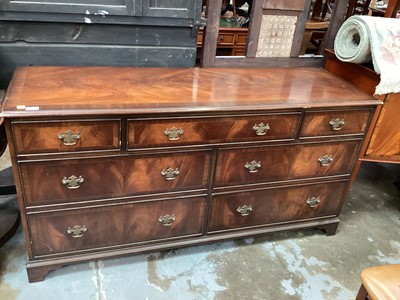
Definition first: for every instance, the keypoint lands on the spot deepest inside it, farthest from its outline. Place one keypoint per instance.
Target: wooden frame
(209, 59)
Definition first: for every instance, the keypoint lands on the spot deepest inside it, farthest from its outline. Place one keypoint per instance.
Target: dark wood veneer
(112, 177)
(274, 205)
(125, 224)
(122, 115)
(287, 162)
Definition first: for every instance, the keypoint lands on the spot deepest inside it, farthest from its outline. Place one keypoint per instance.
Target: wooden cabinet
(176, 157)
(231, 41)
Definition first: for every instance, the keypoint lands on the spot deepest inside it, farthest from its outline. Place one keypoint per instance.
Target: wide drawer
(66, 136)
(326, 123)
(153, 133)
(263, 207)
(58, 181)
(114, 225)
(276, 163)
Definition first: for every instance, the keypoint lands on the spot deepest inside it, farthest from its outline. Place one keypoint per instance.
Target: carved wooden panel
(262, 207)
(151, 133)
(277, 163)
(114, 225)
(49, 182)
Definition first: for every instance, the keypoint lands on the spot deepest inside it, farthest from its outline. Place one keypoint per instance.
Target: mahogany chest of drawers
(115, 161)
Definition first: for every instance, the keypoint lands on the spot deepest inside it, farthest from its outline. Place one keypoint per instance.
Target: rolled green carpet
(363, 38)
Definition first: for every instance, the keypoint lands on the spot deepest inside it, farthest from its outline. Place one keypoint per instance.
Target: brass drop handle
(313, 202)
(325, 160)
(73, 182)
(253, 166)
(69, 138)
(170, 173)
(173, 133)
(261, 129)
(337, 124)
(77, 231)
(244, 210)
(221, 37)
(167, 220)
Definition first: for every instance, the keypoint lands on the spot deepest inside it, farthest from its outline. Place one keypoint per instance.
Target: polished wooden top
(50, 91)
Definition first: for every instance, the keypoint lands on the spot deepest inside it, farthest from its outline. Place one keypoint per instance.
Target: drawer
(241, 39)
(85, 228)
(156, 133)
(60, 181)
(263, 207)
(66, 136)
(277, 163)
(227, 39)
(326, 123)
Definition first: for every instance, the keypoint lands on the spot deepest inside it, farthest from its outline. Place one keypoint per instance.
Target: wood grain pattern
(385, 141)
(287, 162)
(42, 137)
(274, 205)
(107, 90)
(150, 133)
(317, 123)
(112, 177)
(126, 224)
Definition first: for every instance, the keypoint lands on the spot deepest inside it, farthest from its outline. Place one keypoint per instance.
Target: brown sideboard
(115, 161)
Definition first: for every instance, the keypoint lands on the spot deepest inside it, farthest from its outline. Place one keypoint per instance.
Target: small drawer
(114, 225)
(66, 136)
(73, 180)
(326, 123)
(227, 39)
(158, 133)
(241, 39)
(269, 206)
(277, 163)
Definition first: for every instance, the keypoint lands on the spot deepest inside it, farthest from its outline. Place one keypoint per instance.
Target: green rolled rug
(363, 38)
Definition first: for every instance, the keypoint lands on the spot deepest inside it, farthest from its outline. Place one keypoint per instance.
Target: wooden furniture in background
(90, 144)
(9, 217)
(231, 41)
(384, 145)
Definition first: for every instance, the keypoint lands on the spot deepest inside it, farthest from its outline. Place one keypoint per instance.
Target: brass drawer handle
(244, 210)
(253, 166)
(73, 182)
(337, 124)
(313, 202)
(221, 37)
(69, 138)
(170, 174)
(325, 160)
(261, 129)
(167, 220)
(77, 231)
(173, 133)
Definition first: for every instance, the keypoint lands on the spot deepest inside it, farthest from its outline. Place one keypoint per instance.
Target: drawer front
(153, 133)
(262, 207)
(241, 39)
(334, 123)
(53, 233)
(66, 136)
(277, 163)
(52, 182)
(227, 39)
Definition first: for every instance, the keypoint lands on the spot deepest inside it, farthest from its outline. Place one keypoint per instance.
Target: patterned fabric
(364, 38)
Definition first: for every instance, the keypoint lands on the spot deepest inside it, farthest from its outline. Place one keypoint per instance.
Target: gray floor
(299, 265)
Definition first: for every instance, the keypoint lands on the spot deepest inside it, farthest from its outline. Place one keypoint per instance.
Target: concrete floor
(298, 265)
